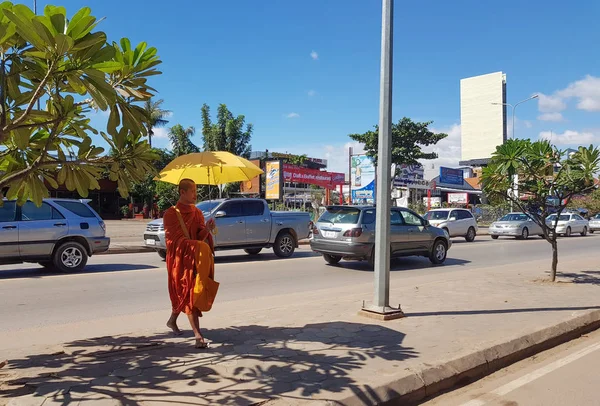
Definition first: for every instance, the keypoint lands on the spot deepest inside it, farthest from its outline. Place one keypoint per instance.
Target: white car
(594, 223)
(568, 223)
(456, 222)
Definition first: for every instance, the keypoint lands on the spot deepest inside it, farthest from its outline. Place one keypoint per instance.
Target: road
(126, 284)
(565, 375)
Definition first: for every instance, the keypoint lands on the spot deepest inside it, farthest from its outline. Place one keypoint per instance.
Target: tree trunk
(554, 259)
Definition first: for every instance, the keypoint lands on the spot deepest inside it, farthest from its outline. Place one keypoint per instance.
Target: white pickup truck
(246, 224)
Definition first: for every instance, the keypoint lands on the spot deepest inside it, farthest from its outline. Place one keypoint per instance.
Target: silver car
(568, 223)
(594, 223)
(348, 232)
(61, 233)
(518, 225)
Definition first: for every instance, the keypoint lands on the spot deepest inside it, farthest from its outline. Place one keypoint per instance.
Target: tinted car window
(396, 218)
(437, 215)
(368, 216)
(578, 217)
(208, 206)
(340, 215)
(253, 208)
(80, 209)
(411, 219)
(233, 209)
(7, 212)
(454, 214)
(464, 215)
(30, 212)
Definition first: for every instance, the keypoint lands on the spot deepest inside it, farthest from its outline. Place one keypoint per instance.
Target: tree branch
(36, 95)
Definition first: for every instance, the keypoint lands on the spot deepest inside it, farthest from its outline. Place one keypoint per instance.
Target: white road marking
(532, 376)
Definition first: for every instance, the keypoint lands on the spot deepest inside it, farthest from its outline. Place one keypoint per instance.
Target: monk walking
(190, 262)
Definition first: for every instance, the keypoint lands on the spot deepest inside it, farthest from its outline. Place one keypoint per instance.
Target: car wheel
(438, 252)
(591, 231)
(470, 235)
(494, 237)
(332, 259)
(525, 233)
(568, 232)
(162, 254)
(584, 232)
(70, 257)
(253, 251)
(285, 245)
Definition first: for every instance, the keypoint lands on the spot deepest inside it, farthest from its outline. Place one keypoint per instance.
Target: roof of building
(475, 183)
(475, 162)
(447, 187)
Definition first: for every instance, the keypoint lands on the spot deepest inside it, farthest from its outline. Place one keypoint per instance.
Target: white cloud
(551, 117)
(550, 104)
(527, 123)
(312, 93)
(570, 137)
(293, 115)
(314, 55)
(586, 91)
(448, 151)
(160, 133)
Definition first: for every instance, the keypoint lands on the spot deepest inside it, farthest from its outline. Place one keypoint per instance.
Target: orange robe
(183, 255)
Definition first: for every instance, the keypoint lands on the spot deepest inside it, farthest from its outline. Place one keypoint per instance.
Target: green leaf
(22, 17)
(84, 148)
(90, 40)
(114, 120)
(51, 181)
(21, 137)
(63, 44)
(58, 17)
(108, 66)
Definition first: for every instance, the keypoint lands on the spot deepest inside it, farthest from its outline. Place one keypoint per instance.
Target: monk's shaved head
(186, 184)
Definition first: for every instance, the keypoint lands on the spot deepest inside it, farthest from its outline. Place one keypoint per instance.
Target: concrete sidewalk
(314, 347)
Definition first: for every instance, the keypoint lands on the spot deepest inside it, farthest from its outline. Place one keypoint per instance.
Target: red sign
(328, 180)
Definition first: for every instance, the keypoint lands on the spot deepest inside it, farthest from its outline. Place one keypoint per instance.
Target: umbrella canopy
(209, 168)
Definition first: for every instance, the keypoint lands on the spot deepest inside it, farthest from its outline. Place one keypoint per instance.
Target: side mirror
(452, 218)
(220, 213)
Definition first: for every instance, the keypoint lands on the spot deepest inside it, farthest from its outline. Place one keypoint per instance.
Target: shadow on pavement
(501, 311)
(223, 257)
(244, 365)
(583, 277)
(41, 272)
(401, 264)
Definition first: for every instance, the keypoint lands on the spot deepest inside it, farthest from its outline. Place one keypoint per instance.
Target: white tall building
(482, 117)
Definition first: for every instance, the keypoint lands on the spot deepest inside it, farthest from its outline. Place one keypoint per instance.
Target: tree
(227, 134)
(181, 142)
(545, 178)
(53, 71)
(155, 116)
(589, 202)
(407, 139)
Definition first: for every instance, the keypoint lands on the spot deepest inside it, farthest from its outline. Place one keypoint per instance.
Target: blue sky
(306, 73)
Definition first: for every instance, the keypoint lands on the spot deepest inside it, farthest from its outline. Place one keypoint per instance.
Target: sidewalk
(294, 348)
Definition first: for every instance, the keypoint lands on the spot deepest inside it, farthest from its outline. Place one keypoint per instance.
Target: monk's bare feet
(3, 364)
(174, 328)
(200, 343)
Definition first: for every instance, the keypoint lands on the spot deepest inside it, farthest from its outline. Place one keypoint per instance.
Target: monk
(189, 253)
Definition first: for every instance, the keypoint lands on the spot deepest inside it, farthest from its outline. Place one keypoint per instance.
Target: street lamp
(514, 108)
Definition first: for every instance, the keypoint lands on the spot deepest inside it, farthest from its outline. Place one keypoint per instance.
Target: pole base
(383, 313)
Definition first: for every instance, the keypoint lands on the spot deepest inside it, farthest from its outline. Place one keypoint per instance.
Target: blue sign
(451, 176)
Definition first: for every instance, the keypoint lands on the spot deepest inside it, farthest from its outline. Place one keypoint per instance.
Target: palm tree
(156, 116)
(181, 142)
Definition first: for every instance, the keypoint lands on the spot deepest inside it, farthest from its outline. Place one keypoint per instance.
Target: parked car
(519, 225)
(456, 222)
(246, 224)
(594, 224)
(61, 233)
(568, 223)
(348, 232)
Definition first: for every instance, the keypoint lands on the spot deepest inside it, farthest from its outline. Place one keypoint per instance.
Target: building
(482, 117)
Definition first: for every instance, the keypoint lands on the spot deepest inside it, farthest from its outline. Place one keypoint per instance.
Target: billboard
(274, 189)
(326, 180)
(451, 176)
(458, 198)
(435, 202)
(362, 179)
(252, 186)
(411, 176)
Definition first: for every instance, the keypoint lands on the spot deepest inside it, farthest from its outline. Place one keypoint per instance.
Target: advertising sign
(410, 176)
(451, 176)
(326, 180)
(274, 189)
(363, 179)
(435, 201)
(458, 198)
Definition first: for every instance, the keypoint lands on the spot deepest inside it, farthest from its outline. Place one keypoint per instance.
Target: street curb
(417, 385)
(126, 250)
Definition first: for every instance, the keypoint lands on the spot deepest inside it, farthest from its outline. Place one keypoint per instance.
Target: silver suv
(61, 233)
(348, 232)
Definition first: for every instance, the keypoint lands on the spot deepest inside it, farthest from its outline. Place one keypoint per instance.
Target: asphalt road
(128, 284)
(565, 375)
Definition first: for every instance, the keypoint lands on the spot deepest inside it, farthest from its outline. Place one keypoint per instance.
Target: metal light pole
(514, 108)
(380, 307)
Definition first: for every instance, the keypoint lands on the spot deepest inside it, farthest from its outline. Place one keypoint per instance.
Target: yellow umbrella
(209, 168)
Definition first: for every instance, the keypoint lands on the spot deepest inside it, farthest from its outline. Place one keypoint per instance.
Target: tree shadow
(244, 365)
(41, 272)
(583, 277)
(401, 264)
(500, 311)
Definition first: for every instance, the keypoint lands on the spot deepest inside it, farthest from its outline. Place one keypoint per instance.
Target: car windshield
(208, 206)
(563, 217)
(515, 217)
(437, 215)
(340, 215)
